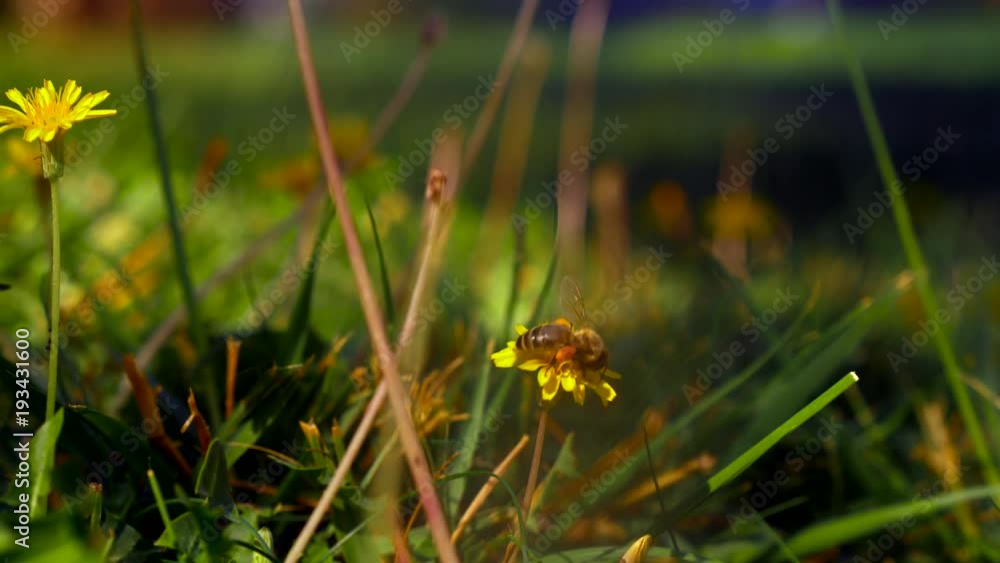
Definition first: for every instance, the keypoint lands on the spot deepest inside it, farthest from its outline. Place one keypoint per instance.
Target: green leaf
(42, 451)
(213, 477)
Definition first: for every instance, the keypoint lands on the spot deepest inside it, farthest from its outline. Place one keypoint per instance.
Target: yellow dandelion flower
(46, 112)
(555, 373)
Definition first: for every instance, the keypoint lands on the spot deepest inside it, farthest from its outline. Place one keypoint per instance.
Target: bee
(582, 345)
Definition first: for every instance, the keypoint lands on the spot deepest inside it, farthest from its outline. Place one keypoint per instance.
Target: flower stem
(536, 461)
(55, 275)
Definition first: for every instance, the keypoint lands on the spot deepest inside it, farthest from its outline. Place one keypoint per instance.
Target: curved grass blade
(839, 531)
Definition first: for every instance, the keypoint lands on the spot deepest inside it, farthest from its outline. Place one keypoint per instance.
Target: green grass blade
(390, 310)
(516, 265)
(162, 160)
(456, 489)
(43, 460)
(740, 464)
(543, 294)
(298, 327)
(662, 438)
(840, 531)
(168, 538)
(911, 246)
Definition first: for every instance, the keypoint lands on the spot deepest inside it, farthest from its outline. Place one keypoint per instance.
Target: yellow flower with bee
(565, 357)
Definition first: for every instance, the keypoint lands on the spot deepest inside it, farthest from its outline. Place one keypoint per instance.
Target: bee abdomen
(542, 336)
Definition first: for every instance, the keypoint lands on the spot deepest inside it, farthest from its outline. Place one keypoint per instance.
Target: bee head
(590, 350)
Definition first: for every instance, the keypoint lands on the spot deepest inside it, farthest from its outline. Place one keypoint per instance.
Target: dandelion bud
(637, 553)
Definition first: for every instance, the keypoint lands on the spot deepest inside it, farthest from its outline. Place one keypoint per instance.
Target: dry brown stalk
(484, 492)
(412, 449)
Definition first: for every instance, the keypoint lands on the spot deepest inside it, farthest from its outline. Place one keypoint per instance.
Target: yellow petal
(579, 394)
(15, 96)
(544, 375)
(71, 92)
(532, 364)
(568, 382)
(10, 115)
(604, 391)
(520, 329)
(100, 113)
(611, 374)
(505, 358)
(550, 389)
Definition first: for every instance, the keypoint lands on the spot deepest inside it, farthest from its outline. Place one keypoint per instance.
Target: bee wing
(572, 300)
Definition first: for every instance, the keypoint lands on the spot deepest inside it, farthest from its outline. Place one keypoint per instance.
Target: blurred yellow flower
(555, 374)
(46, 112)
(637, 553)
(21, 157)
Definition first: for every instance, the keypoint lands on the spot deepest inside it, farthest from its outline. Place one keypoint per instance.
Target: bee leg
(565, 354)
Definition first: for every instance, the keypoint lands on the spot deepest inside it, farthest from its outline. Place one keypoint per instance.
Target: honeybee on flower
(565, 356)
